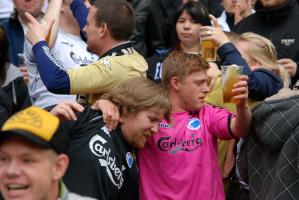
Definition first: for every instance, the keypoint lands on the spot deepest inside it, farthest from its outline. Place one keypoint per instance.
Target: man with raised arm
(107, 33)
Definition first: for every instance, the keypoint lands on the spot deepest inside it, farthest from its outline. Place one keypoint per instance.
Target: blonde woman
(260, 53)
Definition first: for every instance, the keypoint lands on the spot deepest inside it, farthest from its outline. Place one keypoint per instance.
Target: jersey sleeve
(220, 122)
(97, 77)
(53, 76)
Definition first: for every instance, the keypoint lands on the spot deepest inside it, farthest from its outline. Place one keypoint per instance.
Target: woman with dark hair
(190, 17)
(14, 94)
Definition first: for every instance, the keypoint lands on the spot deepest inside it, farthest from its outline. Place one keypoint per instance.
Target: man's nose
(13, 169)
(205, 88)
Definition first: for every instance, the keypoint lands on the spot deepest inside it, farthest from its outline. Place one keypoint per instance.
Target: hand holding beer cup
(234, 85)
(37, 31)
(211, 38)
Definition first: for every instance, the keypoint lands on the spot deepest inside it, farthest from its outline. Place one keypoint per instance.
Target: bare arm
(53, 13)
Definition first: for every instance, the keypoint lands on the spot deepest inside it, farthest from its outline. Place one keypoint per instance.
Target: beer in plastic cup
(230, 75)
(208, 50)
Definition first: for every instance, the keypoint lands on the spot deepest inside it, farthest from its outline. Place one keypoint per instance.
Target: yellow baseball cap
(38, 126)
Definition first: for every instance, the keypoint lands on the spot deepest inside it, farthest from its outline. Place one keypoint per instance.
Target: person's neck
(109, 44)
(194, 49)
(22, 19)
(54, 192)
(175, 102)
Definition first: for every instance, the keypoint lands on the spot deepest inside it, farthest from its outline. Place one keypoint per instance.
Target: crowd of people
(115, 99)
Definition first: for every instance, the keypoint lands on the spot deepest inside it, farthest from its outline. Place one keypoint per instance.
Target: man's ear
(60, 166)
(175, 83)
(103, 29)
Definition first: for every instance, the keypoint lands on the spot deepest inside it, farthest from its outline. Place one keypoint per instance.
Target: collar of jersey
(117, 50)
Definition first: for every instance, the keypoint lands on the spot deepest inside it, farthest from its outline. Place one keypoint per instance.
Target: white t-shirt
(70, 52)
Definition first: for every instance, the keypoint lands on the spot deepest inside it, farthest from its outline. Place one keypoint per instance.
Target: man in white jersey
(66, 46)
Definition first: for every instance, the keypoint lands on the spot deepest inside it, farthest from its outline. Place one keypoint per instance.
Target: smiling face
(137, 127)
(192, 91)
(27, 171)
(187, 30)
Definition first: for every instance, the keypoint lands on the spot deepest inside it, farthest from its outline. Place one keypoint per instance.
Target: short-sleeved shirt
(180, 161)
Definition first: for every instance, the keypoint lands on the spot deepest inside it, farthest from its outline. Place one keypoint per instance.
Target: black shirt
(101, 163)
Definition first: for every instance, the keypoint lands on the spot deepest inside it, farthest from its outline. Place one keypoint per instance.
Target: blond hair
(262, 50)
(179, 64)
(232, 36)
(138, 94)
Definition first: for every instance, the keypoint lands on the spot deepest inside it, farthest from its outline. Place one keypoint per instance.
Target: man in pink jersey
(180, 162)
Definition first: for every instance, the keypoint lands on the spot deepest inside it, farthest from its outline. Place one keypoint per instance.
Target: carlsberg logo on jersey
(106, 160)
(174, 145)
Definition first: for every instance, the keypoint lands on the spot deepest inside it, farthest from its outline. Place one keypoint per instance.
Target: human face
(272, 3)
(27, 172)
(34, 7)
(231, 5)
(137, 127)
(93, 32)
(187, 30)
(192, 91)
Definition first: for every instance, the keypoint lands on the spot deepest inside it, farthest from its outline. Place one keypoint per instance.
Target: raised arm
(55, 79)
(262, 83)
(241, 123)
(79, 10)
(52, 14)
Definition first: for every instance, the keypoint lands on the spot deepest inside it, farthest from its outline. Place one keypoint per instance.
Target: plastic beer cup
(208, 50)
(230, 75)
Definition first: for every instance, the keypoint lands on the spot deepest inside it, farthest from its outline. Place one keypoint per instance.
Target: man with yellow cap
(32, 157)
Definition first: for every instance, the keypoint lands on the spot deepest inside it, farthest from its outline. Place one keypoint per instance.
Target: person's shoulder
(90, 115)
(247, 23)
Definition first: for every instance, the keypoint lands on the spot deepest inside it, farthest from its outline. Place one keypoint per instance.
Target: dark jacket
(273, 150)
(147, 35)
(16, 38)
(5, 109)
(279, 25)
(16, 89)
